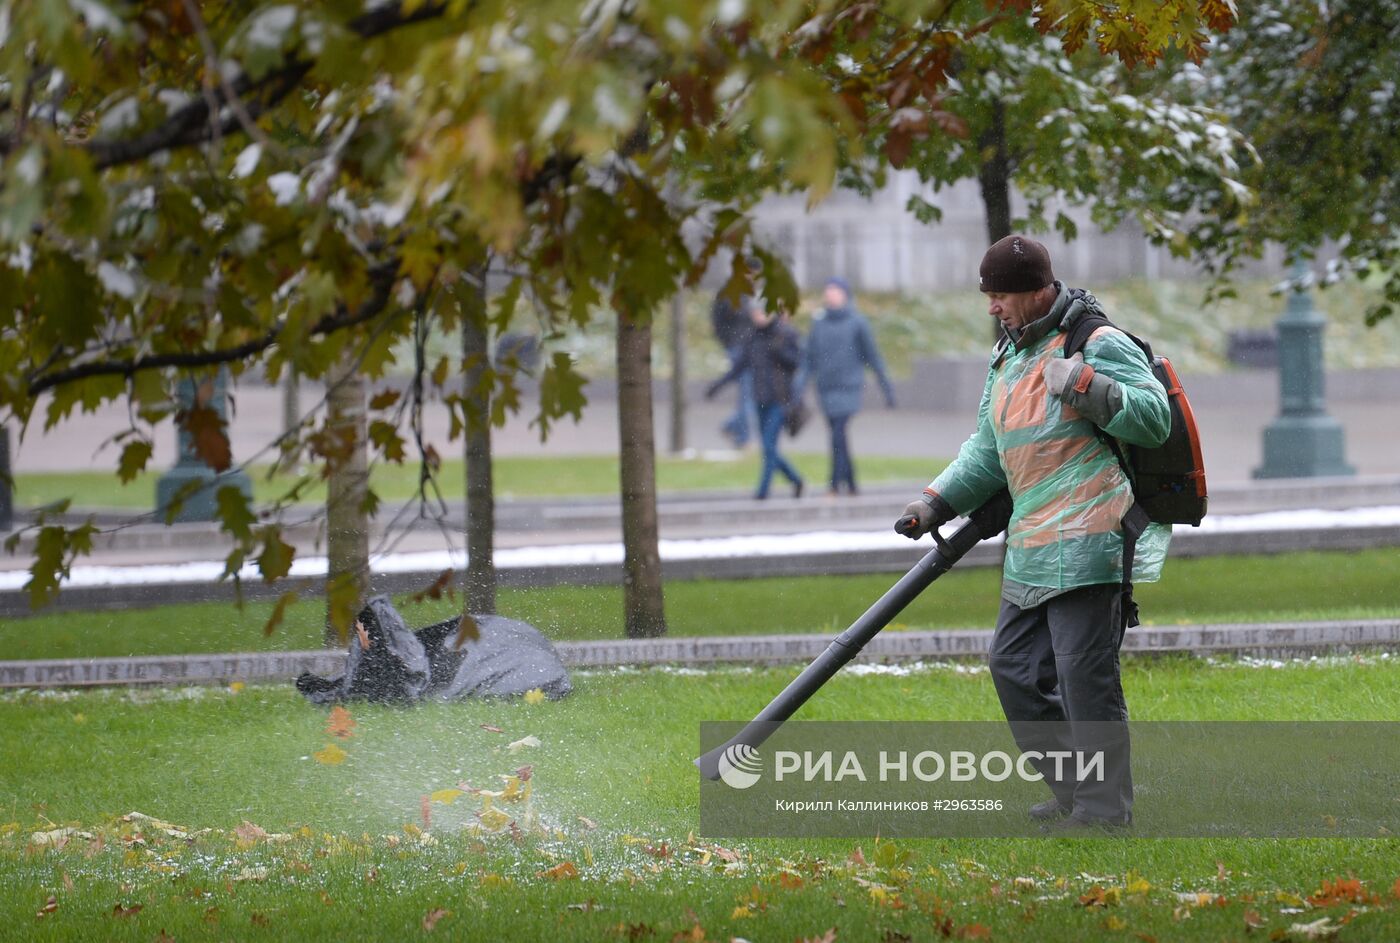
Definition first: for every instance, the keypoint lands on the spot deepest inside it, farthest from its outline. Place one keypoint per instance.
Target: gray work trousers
(1056, 672)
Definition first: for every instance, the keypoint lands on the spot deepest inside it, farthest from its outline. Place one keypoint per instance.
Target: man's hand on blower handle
(924, 515)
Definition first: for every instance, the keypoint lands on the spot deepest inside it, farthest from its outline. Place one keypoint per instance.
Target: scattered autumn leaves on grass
(1343, 891)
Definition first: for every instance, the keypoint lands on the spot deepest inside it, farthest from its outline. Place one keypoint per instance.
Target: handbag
(795, 416)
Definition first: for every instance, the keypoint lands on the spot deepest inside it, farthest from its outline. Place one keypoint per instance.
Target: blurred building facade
(879, 246)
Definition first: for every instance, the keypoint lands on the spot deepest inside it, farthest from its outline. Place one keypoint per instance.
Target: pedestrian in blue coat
(839, 349)
(769, 358)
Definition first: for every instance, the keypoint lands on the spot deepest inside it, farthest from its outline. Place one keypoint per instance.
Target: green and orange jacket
(1069, 492)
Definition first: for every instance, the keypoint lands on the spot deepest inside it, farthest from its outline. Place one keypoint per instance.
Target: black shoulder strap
(1078, 334)
(1136, 520)
(1080, 331)
(999, 351)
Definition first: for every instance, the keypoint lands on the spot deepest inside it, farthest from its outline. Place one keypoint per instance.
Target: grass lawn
(605, 848)
(1298, 586)
(515, 476)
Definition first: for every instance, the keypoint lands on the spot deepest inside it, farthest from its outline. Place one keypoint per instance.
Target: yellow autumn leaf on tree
(446, 796)
(332, 755)
(534, 696)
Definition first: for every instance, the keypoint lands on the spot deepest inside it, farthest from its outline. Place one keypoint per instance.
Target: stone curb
(1263, 639)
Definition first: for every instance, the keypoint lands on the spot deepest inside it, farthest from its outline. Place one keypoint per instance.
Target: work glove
(1096, 396)
(1061, 374)
(923, 515)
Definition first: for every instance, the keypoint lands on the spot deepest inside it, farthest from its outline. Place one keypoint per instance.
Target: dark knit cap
(838, 282)
(1015, 264)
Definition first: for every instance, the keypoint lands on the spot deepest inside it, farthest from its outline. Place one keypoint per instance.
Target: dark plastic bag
(507, 659)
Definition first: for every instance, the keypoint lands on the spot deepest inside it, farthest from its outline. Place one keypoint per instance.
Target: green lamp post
(1303, 442)
(192, 482)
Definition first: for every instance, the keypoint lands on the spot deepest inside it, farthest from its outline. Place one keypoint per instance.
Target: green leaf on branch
(238, 518)
(48, 568)
(279, 612)
(135, 455)
(384, 399)
(561, 393)
(275, 561)
(387, 439)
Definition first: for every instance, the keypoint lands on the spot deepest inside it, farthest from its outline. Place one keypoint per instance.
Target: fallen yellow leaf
(332, 755)
(237, 686)
(446, 796)
(563, 871)
(493, 819)
(522, 743)
(534, 696)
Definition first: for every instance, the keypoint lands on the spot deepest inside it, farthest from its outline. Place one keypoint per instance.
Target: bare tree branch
(213, 67)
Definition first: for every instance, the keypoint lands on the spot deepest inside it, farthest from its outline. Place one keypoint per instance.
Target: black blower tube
(987, 521)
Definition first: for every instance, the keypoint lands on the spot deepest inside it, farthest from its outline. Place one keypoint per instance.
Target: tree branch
(372, 307)
(196, 123)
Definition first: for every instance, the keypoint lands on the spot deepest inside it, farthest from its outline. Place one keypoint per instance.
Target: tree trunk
(481, 497)
(291, 400)
(678, 403)
(347, 523)
(995, 176)
(644, 610)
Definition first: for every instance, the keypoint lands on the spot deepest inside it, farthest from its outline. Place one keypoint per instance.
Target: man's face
(1017, 309)
(833, 297)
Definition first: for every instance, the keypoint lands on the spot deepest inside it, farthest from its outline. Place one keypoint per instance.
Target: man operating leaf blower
(1049, 431)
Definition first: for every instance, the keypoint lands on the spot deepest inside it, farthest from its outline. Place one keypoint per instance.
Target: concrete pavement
(1231, 430)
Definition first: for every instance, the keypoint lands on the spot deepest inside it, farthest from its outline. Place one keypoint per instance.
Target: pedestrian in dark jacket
(769, 357)
(732, 328)
(839, 349)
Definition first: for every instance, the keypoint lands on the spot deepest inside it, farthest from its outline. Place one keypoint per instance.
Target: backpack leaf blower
(987, 521)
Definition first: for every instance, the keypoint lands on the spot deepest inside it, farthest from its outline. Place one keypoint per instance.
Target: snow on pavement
(717, 548)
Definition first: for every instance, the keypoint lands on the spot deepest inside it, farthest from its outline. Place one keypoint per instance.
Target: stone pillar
(198, 503)
(1304, 441)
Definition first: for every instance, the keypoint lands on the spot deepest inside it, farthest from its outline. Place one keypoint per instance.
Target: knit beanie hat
(838, 282)
(1015, 264)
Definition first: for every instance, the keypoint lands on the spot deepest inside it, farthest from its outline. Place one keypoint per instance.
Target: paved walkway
(1232, 434)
